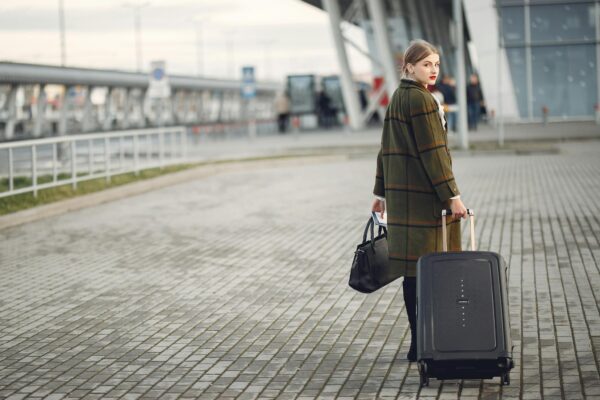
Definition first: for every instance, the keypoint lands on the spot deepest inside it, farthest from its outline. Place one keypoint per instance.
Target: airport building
(536, 59)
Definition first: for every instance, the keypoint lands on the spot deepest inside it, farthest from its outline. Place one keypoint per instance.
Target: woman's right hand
(458, 208)
(378, 206)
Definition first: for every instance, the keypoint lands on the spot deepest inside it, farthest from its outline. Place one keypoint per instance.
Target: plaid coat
(414, 174)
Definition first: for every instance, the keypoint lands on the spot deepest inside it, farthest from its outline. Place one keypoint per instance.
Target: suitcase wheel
(423, 373)
(505, 379)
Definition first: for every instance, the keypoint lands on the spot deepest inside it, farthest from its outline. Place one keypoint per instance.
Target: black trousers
(409, 286)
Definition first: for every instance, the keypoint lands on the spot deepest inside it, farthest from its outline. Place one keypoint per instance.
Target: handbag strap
(370, 227)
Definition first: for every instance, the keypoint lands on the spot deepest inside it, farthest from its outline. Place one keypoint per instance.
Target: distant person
(362, 97)
(325, 110)
(474, 101)
(414, 181)
(448, 89)
(282, 107)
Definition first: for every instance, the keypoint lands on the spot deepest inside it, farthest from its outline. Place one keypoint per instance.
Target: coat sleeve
(430, 140)
(379, 189)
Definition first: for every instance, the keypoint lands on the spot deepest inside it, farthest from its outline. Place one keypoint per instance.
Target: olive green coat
(414, 174)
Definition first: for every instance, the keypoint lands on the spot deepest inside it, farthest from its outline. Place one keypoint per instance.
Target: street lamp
(199, 23)
(61, 24)
(138, 30)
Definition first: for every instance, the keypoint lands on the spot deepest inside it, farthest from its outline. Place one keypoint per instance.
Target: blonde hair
(416, 51)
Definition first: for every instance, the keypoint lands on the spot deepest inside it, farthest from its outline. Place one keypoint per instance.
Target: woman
(414, 179)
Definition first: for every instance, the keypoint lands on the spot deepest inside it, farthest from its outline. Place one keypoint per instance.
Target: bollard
(597, 108)
(545, 115)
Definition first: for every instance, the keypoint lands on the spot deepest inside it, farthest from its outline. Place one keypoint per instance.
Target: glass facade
(562, 22)
(518, 70)
(552, 51)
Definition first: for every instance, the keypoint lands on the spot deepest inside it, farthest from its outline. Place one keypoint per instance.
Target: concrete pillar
(415, 31)
(597, 105)
(461, 81)
(221, 106)
(11, 120)
(197, 107)
(87, 123)
(142, 104)
(108, 114)
(124, 123)
(384, 46)
(40, 112)
(65, 105)
(348, 90)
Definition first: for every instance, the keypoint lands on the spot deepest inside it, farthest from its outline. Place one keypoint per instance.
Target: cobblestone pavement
(235, 286)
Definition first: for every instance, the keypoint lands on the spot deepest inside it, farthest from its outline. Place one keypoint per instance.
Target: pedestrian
(326, 111)
(448, 89)
(414, 179)
(282, 107)
(474, 101)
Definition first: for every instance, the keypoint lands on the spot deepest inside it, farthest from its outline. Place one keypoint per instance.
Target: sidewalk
(343, 140)
(235, 285)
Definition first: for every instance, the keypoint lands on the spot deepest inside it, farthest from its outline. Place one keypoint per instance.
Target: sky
(278, 37)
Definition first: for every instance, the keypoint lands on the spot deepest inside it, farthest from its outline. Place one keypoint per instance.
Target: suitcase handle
(471, 215)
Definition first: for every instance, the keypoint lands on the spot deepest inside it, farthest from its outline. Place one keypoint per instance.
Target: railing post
(11, 172)
(34, 169)
(161, 149)
(74, 164)
(121, 153)
(54, 163)
(149, 149)
(135, 155)
(172, 145)
(184, 152)
(107, 158)
(90, 157)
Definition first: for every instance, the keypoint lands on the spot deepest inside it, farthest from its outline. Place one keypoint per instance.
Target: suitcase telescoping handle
(471, 216)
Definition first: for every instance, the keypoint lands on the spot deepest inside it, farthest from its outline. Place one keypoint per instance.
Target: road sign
(158, 87)
(248, 83)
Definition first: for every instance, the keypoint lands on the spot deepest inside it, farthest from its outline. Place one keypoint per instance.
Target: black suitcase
(463, 329)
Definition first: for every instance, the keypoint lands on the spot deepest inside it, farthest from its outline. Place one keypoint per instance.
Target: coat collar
(409, 82)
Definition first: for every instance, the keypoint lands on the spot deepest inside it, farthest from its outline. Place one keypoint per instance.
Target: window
(564, 80)
(557, 23)
(518, 73)
(513, 25)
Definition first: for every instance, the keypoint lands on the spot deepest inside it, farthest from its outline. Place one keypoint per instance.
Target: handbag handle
(370, 226)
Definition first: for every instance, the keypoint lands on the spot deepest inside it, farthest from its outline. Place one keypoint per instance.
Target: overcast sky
(279, 37)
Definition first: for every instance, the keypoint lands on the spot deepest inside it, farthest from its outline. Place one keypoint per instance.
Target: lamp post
(137, 8)
(61, 24)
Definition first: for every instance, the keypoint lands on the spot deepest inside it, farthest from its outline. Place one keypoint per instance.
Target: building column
(86, 121)
(107, 123)
(348, 91)
(384, 46)
(124, 123)
(143, 104)
(11, 120)
(40, 112)
(597, 105)
(64, 112)
(461, 81)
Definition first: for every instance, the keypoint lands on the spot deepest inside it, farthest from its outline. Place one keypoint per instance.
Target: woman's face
(426, 71)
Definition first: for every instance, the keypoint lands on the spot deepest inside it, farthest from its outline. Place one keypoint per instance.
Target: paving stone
(235, 286)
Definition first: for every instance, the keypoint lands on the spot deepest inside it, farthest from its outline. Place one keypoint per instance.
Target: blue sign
(248, 83)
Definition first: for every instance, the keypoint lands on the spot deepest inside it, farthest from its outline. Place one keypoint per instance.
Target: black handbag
(370, 267)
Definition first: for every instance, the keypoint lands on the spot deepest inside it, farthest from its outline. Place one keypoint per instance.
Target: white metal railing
(32, 165)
